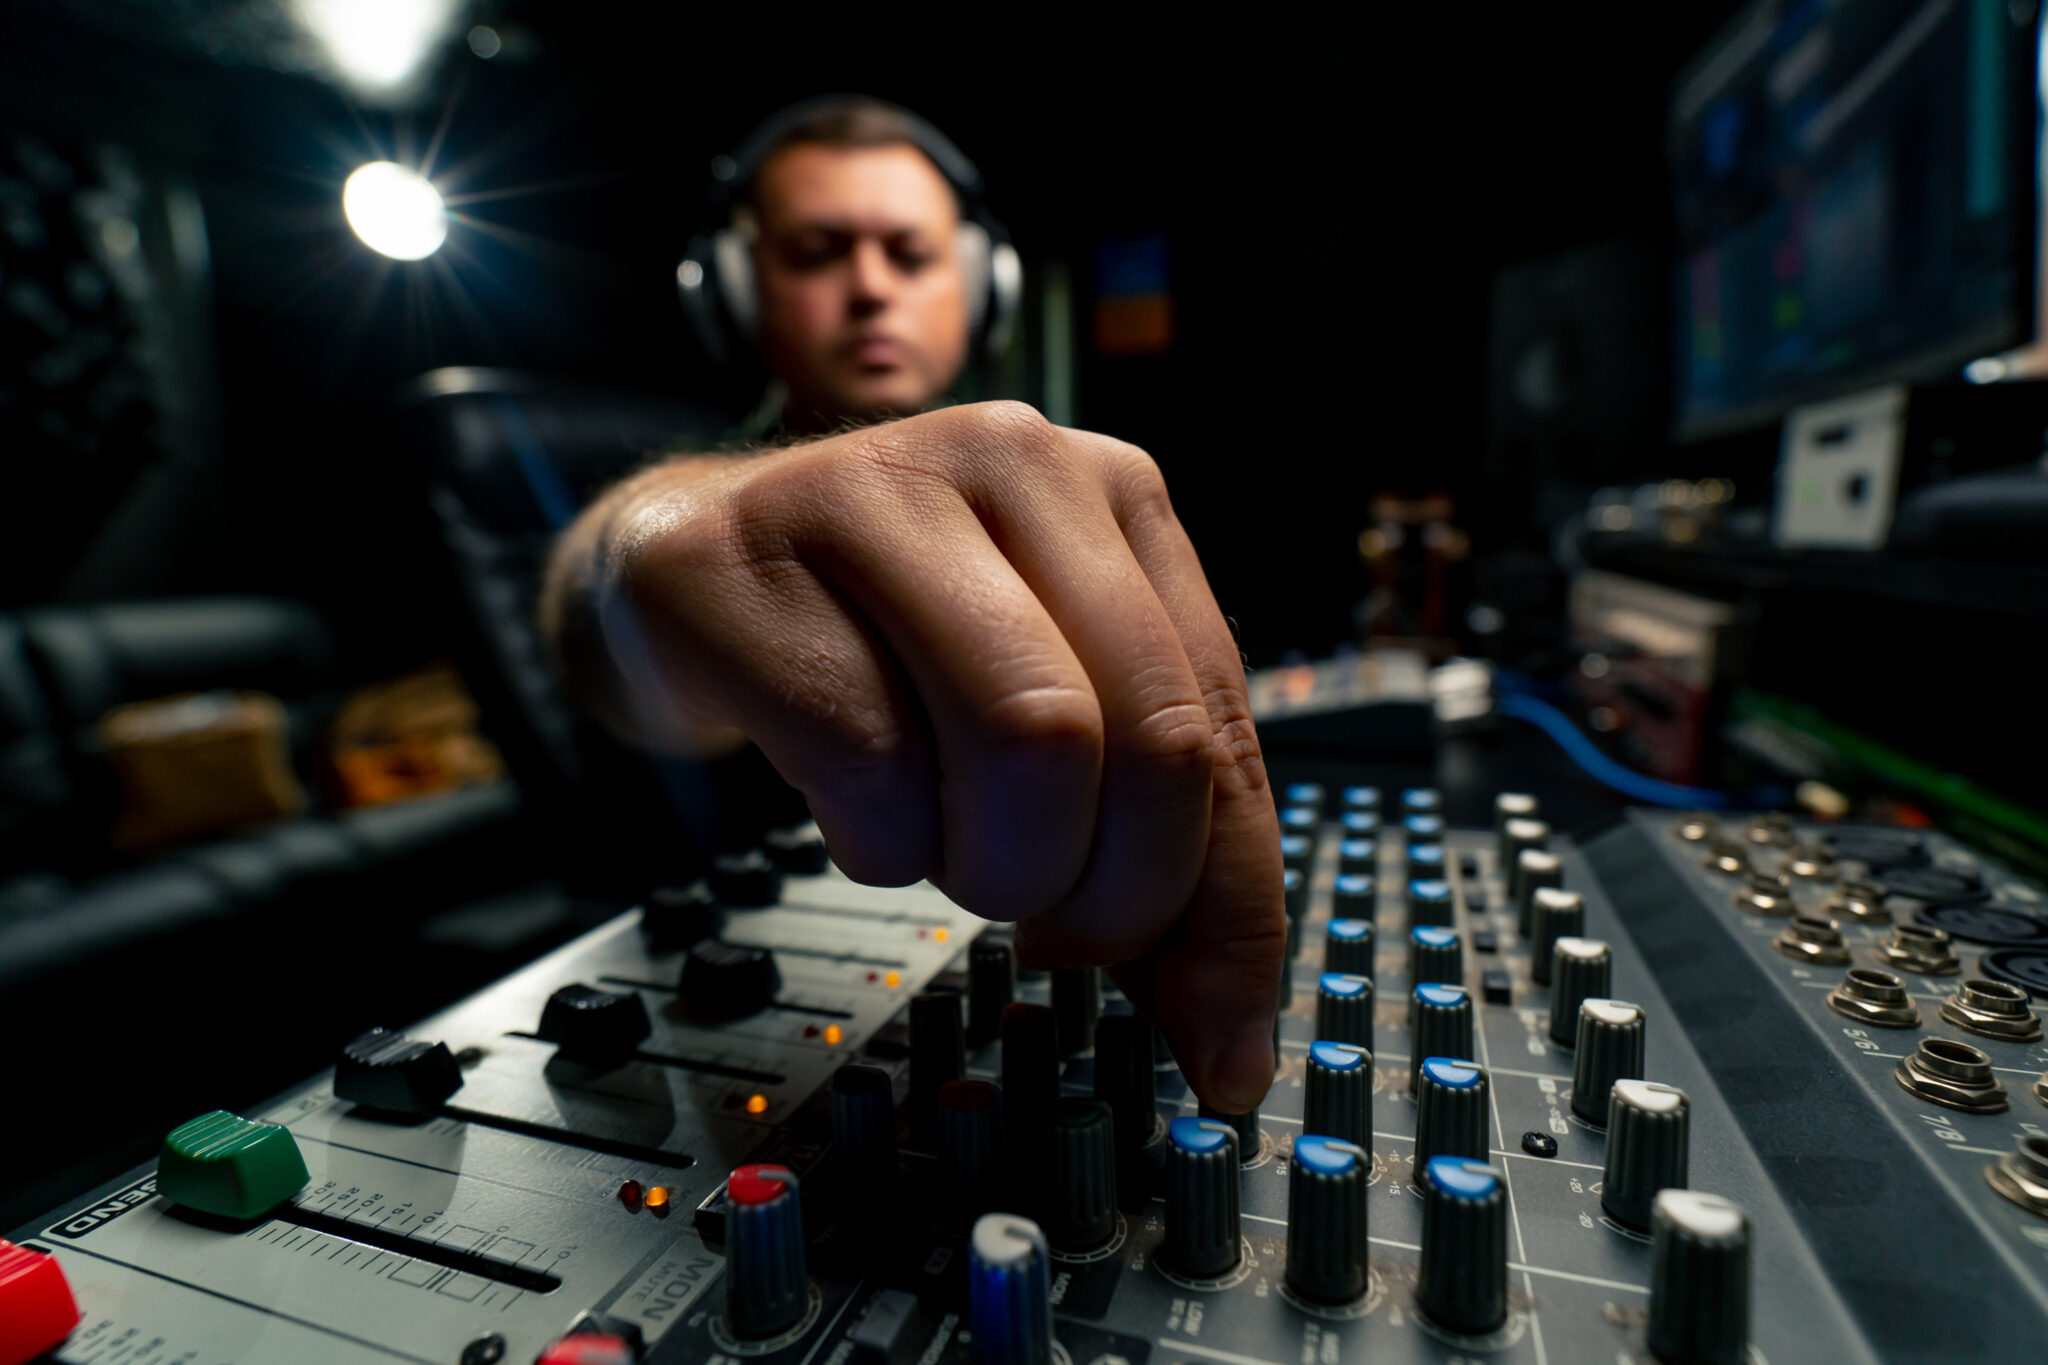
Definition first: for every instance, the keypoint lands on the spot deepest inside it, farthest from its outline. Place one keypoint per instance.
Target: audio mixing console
(1695, 1089)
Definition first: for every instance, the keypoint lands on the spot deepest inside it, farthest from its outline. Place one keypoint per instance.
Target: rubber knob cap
(1581, 969)
(1464, 1284)
(1610, 1049)
(1081, 1203)
(1440, 1020)
(766, 1289)
(1344, 1009)
(1699, 1279)
(1009, 1292)
(1203, 1240)
(864, 1155)
(1348, 948)
(1554, 913)
(971, 1161)
(585, 1021)
(1076, 1005)
(1534, 869)
(394, 1074)
(991, 987)
(938, 1052)
(1337, 1093)
(747, 880)
(1648, 1148)
(1326, 1219)
(1450, 1110)
(1435, 953)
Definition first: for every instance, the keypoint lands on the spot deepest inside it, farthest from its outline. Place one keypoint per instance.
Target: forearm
(579, 594)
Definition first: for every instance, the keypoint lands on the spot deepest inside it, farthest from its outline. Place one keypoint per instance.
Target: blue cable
(1604, 770)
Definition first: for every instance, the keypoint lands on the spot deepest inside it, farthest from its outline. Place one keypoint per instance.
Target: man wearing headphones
(980, 645)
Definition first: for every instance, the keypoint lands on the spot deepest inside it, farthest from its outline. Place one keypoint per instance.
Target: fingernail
(1242, 1071)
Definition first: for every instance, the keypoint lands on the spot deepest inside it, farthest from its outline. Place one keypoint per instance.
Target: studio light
(378, 46)
(395, 211)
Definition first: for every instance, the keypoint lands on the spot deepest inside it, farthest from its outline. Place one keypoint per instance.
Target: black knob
(1509, 806)
(1450, 1110)
(723, 980)
(1081, 1204)
(1554, 913)
(1326, 1219)
(395, 1074)
(1124, 1080)
(1423, 829)
(1347, 950)
(1440, 1019)
(1429, 903)
(1355, 896)
(1359, 853)
(1610, 1048)
(1310, 794)
(864, 1134)
(1699, 1279)
(1294, 893)
(1422, 801)
(1076, 1005)
(1647, 1148)
(766, 1290)
(970, 1150)
(748, 880)
(1516, 835)
(1581, 969)
(991, 986)
(1361, 799)
(1202, 1237)
(1245, 1125)
(1337, 1093)
(677, 916)
(1010, 1292)
(1031, 1087)
(938, 1052)
(1297, 851)
(1344, 1009)
(587, 1022)
(1534, 869)
(1464, 1284)
(1426, 862)
(1435, 953)
(798, 850)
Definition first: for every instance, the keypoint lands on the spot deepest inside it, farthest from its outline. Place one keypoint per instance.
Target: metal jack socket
(1993, 1009)
(1953, 1075)
(1870, 996)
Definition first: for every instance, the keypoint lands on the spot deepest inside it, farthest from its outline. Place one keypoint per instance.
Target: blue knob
(1344, 1009)
(1429, 901)
(1202, 1237)
(1326, 1219)
(766, 1289)
(1439, 1023)
(1362, 798)
(1464, 1284)
(1348, 948)
(1009, 1292)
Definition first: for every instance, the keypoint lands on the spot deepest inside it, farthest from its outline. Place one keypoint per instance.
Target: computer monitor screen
(1855, 200)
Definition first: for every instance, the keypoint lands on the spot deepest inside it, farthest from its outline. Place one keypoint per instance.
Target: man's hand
(984, 650)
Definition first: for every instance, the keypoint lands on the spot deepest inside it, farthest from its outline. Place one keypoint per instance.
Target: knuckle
(1176, 738)
(1052, 725)
(1240, 764)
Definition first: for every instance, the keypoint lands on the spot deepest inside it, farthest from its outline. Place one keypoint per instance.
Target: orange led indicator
(893, 980)
(757, 1104)
(834, 1034)
(657, 1197)
(942, 934)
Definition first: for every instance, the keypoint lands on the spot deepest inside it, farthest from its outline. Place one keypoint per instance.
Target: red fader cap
(36, 1308)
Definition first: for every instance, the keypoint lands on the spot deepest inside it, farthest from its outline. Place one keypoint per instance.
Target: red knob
(36, 1308)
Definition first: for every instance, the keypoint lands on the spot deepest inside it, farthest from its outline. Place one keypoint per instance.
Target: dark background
(1336, 200)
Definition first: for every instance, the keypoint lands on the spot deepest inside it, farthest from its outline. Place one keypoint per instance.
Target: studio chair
(509, 458)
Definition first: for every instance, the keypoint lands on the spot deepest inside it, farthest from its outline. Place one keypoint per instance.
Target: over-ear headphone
(716, 274)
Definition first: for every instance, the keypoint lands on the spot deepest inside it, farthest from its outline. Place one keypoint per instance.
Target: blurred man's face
(863, 299)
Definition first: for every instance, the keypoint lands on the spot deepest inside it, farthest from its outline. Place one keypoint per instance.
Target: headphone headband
(733, 172)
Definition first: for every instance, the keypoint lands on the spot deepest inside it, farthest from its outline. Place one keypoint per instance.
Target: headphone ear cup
(698, 290)
(734, 280)
(974, 249)
(1005, 296)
